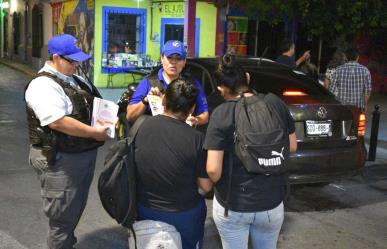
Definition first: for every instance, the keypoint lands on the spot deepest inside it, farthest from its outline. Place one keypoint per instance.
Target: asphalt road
(346, 214)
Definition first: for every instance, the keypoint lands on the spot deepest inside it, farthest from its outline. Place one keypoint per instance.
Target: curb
(20, 69)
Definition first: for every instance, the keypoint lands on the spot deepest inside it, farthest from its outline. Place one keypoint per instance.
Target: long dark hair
(181, 95)
(338, 59)
(230, 74)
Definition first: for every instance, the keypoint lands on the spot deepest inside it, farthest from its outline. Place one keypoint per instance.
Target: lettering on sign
(173, 9)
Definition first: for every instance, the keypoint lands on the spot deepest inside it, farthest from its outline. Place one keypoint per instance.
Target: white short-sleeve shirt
(47, 98)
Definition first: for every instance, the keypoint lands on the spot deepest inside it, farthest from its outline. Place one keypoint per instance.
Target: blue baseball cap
(174, 47)
(65, 45)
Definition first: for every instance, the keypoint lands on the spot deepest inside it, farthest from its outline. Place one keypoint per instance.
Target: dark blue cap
(174, 47)
(65, 45)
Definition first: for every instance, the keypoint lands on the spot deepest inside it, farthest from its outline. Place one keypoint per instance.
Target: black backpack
(261, 137)
(261, 140)
(117, 182)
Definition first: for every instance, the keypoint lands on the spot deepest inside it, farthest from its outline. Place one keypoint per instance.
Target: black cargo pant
(64, 188)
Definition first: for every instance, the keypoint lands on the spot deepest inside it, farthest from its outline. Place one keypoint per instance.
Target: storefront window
(123, 33)
(124, 40)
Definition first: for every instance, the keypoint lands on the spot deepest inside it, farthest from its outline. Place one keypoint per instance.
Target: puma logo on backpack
(261, 138)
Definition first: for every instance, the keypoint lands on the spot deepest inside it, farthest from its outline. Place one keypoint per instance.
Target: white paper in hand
(105, 114)
(155, 104)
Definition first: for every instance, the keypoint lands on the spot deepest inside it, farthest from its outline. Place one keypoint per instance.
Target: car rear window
(277, 82)
(201, 73)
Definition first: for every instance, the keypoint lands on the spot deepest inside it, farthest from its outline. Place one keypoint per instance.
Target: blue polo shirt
(144, 87)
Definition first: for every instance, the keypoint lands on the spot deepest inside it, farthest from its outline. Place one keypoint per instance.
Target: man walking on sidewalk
(351, 82)
(63, 144)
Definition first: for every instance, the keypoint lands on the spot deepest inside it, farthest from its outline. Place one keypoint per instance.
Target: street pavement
(316, 217)
(22, 222)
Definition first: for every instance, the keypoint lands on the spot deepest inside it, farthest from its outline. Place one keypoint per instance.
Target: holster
(48, 145)
(49, 153)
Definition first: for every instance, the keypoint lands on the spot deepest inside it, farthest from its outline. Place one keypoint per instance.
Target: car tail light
(362, 125)
(294, 93)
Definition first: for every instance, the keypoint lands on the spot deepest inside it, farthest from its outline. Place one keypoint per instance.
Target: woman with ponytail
(170, 164)
(254, 201)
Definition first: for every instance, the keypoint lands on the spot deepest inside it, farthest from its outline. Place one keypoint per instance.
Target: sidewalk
(211, 239)
(18, 66)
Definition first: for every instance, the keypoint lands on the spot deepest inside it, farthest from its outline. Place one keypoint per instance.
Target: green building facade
(130, 34)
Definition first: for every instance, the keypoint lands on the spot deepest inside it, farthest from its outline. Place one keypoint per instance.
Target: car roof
(255, 64)
(267, 69)
(247, 62)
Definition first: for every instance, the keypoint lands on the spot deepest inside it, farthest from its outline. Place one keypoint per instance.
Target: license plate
(318, 128)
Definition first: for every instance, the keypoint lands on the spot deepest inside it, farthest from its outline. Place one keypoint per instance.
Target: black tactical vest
(82, 100)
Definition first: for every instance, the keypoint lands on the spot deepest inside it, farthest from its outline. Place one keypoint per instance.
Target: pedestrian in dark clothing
(256, 200)
(337, 60)
(351, 82)
(309, 69)
(288, 49)
(171, 166)
(63, 144)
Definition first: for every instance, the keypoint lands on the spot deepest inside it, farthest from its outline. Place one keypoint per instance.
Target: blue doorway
(173, 29)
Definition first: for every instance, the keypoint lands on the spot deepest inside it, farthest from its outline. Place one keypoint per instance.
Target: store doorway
(16, 31)
(5, 33)
(173, 32)
(173, 29)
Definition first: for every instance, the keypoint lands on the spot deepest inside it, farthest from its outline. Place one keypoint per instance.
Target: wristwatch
(145, 102)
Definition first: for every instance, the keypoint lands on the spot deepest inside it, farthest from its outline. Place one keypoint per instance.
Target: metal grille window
(124, 34)
(123, 31)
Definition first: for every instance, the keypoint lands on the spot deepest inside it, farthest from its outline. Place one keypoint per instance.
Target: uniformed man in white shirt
(63, 143)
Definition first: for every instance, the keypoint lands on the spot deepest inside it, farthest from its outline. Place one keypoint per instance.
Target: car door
(204, 74)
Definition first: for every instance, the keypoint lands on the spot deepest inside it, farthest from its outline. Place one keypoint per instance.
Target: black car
(330, 135)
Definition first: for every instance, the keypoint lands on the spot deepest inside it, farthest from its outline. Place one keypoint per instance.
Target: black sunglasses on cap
(68, 59)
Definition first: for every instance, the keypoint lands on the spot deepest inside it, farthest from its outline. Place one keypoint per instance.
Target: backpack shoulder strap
(134, 129)
(275, 112)
(134, 235)
(132, 134)
(230, 162)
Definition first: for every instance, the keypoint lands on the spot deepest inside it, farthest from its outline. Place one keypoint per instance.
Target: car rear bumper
(321, 178)
(326, 165)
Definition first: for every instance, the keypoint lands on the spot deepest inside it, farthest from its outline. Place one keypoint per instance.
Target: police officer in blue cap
(63, 143)
(173, 60)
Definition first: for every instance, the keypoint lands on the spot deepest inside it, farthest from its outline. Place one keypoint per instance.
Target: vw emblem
(322, 112)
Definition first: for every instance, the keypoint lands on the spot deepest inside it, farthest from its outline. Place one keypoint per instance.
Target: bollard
(374, 134)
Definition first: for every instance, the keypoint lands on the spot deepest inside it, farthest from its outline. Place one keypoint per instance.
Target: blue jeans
(263, 227)
(190, 223)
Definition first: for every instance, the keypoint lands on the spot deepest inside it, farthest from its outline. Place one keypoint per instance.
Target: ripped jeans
(262, 227)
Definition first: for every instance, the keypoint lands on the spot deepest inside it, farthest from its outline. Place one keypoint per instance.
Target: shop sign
(173, 9)
(4, 5)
